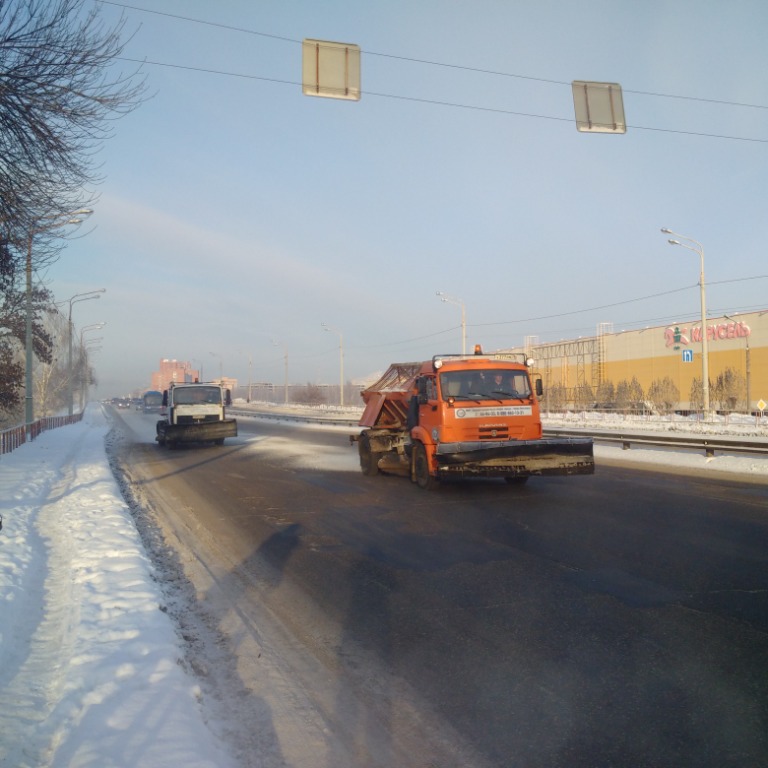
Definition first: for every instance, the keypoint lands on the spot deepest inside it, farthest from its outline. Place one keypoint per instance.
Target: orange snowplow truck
(462, 416)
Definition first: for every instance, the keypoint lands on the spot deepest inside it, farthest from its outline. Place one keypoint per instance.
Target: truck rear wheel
(421, 469)
(369, 459)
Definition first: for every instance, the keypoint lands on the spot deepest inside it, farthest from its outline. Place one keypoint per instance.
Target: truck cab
(472, 399)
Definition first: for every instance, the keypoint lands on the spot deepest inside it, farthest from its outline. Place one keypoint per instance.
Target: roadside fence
(12, 438)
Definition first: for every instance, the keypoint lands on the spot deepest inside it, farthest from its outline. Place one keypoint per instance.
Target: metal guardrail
(334, 420)
(12, 438)
(708, 444)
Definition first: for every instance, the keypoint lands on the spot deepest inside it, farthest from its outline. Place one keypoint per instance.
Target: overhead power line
(426, 62)
(556, 315)
(561, 82)
(434, 102)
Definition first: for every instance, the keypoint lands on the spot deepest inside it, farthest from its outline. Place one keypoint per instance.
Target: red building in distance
(173, 372)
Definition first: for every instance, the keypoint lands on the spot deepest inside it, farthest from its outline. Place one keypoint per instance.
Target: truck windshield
(197, 395)
(489, 384)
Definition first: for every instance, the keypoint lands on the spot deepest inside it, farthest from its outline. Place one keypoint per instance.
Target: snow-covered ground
(92, 672)
(92, 669)
(734, 425)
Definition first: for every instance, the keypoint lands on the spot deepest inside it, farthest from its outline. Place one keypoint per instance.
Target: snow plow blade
(198, 433)
(516, 458)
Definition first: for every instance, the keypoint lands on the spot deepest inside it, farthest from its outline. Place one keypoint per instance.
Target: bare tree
(663, 394)
(606, 394)
(629, 394)
(309, 395)
(730, 390)
(58, 94)
(696, 395)
(583, 396)
(556, 397)
(52, 376)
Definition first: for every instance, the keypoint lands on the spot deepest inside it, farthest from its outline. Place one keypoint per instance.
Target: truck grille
(493, 433)
(196, 419)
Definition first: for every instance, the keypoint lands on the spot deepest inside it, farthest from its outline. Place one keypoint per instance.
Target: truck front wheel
(421, 469)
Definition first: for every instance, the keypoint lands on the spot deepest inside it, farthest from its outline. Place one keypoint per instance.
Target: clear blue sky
(236, 212)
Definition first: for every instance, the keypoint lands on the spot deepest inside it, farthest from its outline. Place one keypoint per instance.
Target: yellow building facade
(737, 348)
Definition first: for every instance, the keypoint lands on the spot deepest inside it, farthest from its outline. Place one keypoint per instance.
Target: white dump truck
(195, 413)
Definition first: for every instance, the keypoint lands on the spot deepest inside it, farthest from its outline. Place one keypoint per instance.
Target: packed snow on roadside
(735, 425)
(739, 427)
(94, 671)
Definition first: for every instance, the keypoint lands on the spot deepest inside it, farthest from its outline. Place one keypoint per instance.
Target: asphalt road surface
(619, 619)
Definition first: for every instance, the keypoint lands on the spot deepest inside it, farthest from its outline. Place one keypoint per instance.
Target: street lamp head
(76, 217)
(666, 231)
(674, 242)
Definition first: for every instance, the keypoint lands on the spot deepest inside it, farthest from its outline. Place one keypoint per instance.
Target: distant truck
(463, 416)
(152, 401)
(195, 413)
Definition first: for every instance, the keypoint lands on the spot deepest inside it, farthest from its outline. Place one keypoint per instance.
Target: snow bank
(92, 670)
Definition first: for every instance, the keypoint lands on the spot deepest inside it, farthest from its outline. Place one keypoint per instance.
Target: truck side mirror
(165, 398)
(228, 398)
(539, 388)
(421, 388)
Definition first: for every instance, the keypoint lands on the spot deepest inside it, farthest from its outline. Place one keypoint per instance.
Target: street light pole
(459, 303)
(221, 367)
(77, 297)
(341, 361)
(92, 327)
(72, 217)
(698, 248)
(84, 354)
(285, 366)
(285, 380)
